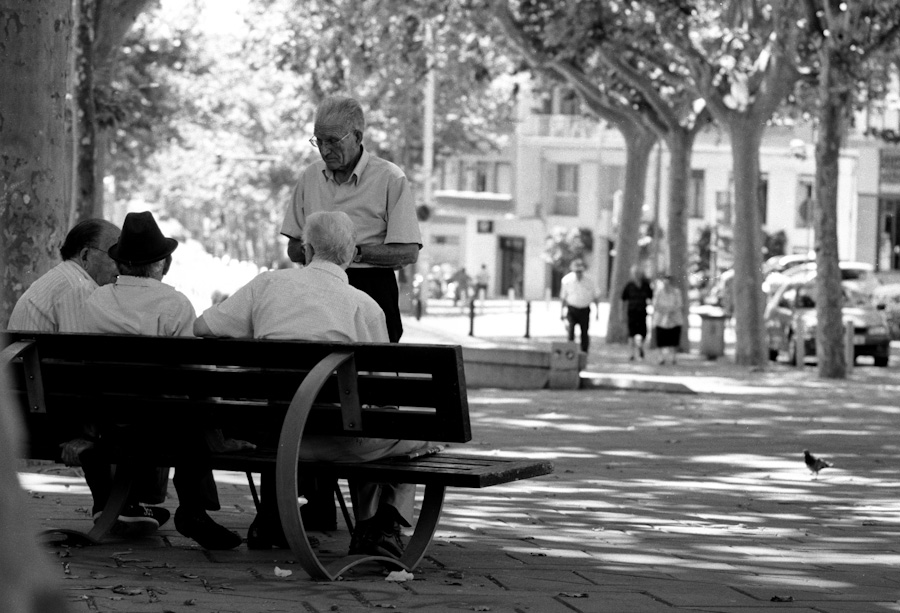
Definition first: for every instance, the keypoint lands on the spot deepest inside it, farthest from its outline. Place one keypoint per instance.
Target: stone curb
(591, 380)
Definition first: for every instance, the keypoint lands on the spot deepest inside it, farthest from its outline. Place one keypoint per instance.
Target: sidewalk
(659, 503)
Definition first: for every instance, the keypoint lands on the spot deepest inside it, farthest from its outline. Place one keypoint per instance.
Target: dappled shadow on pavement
(658, 503)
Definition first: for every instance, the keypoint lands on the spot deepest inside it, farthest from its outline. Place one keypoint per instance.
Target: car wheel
(773, 355)
(792, 350)
(881, 361)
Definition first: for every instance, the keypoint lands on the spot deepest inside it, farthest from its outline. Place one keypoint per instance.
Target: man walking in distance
(373, 192)
(577, 292)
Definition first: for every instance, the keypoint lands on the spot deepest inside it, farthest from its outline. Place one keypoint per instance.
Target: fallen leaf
(189, 576)
(128, 591)
(190, 603)
(481, 608)
(283, 573)
(573, 594)
(782, 599)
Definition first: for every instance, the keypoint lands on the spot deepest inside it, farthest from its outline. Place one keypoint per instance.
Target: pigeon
(813, 463)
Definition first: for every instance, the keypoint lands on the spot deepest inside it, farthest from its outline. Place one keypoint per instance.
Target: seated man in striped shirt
(55, 303)
(317, 303)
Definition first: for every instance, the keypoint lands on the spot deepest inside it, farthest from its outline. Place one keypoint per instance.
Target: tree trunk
(746, 134)
(639, 143)
(834, 100)
(33, 206)
(85, 124)
(680, 144)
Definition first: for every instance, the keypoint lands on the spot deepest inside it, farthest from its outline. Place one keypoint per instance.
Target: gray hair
(341, 110)
(153, 270)
(331, 235)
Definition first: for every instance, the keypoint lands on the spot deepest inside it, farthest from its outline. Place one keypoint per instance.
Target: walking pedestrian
(668, 318)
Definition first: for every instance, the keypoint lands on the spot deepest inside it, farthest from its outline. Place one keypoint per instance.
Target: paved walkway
(659, 502)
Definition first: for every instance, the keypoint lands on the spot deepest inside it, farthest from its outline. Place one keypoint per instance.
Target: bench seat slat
(442, 468)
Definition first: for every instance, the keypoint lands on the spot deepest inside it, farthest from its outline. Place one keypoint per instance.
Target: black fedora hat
(141, 241)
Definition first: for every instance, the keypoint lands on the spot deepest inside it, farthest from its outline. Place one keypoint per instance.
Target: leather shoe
(377, 537)
(200, 527)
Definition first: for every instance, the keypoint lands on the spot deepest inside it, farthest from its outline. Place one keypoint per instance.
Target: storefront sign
(890, 167)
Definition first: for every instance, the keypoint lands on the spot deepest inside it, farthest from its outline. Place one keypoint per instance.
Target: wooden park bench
(280, 388)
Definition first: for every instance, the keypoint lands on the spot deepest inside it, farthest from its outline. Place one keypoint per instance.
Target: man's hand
(72, 450)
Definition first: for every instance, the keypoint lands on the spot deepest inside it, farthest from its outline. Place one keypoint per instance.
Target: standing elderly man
(373, 192)
(317, 303)
(577, 292)
(55, 303)
(140, 303)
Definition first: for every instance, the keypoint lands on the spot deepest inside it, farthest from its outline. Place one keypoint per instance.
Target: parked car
(859, 276)
(775, 269)
(794, 306)
(887, 298)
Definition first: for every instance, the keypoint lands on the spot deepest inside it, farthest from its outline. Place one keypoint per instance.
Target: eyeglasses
(318, 143)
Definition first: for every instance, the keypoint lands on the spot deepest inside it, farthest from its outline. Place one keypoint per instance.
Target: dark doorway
(889, 234)
(512, 265)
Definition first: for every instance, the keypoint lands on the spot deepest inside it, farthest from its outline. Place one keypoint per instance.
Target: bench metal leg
(118, 497)
(426, 526)
(287, 471)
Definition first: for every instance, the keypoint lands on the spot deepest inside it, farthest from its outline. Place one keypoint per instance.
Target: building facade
(564, 170)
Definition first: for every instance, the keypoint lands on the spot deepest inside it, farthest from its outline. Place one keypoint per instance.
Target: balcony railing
(562, 126)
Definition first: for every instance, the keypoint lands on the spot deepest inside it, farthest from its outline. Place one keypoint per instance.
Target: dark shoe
(262, 535)
(376, 538)
(138, 518)
(199, 526)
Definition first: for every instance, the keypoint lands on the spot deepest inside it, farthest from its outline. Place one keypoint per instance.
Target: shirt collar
(329, 268)
(137, 281)
(357, 170)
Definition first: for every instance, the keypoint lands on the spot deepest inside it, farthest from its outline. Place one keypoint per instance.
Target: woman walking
(667, 318)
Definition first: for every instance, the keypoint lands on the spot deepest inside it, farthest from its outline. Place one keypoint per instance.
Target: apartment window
(569, 103)
(445, 239)
(565, 200)
(806, 202)
(481, 177)
(696, 204)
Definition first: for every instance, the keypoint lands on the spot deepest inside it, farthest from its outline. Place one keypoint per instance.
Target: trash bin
(565, 366)
(712, 335)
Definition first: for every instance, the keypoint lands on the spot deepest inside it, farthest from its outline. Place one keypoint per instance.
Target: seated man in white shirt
(317, 303)
(140, 303)
(55, 303)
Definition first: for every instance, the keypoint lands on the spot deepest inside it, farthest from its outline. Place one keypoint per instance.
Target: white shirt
(55, 301)
(377, 197)
(139, 305)
(314, 303)
(575, 293)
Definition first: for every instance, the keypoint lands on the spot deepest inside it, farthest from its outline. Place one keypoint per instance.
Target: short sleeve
(292, 227)
(233, 317)
(402, 223)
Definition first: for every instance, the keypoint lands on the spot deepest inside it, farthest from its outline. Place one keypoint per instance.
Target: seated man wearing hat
(139, 303)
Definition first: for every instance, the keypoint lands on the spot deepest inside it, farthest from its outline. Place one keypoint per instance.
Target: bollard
(800, 345)
(849, 345)
(472, 318)
(528, 319)
(418, 309)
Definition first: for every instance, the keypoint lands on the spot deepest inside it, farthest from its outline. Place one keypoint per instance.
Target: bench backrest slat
(243, 385)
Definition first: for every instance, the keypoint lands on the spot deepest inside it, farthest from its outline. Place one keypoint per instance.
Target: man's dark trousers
(381, 285)
(581, 317)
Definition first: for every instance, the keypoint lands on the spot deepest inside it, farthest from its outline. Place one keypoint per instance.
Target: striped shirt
(54, 302)
(314, 303)
(139, 305)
